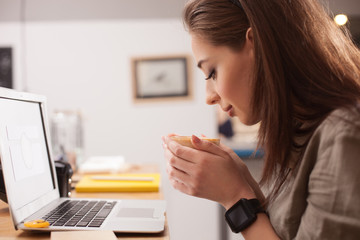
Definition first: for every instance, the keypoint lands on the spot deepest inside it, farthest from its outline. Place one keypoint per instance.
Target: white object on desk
(104, 164)
(88, 235)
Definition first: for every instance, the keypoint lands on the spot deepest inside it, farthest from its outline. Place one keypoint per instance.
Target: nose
(212, 97)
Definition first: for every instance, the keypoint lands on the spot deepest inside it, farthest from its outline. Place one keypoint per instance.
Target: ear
(250, 36)
(249, 42)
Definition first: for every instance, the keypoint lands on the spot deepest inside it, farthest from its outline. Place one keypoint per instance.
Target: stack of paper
(104, 164)
(130, 182)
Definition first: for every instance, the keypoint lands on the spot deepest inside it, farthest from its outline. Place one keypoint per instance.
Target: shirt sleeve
(333, 203)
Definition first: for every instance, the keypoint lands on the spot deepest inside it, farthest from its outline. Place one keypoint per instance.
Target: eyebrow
(201, 62)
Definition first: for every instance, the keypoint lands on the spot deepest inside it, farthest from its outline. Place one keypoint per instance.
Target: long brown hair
(305, 67)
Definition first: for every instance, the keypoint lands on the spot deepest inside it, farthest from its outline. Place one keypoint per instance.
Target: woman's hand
(207, 171)
(243, 168)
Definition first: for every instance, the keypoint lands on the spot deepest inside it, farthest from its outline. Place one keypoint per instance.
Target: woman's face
(229, 74)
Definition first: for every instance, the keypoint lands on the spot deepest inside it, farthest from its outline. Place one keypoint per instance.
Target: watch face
(240, 216)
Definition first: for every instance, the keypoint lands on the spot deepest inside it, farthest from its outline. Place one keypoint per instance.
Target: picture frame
(161, 78)
(6, 66)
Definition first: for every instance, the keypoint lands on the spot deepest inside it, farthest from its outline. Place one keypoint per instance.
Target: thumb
(204, 145)
(197, 142)
(208, 146)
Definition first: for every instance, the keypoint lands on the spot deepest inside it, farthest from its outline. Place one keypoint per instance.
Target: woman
(285, 64)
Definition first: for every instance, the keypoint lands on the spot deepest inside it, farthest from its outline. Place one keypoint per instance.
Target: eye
(211, 75)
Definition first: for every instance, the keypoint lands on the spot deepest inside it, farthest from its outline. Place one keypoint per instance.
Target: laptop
(31, 182)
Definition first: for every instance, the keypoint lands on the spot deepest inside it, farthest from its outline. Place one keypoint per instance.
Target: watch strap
(256, 205)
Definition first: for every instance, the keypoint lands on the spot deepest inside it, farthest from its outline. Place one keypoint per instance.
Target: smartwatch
(243, 214)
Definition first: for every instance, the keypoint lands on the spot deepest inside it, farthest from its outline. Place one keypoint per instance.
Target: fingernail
(195, 139)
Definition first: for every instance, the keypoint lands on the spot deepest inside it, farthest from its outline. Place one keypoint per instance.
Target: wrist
(260, 229)
(249, 194)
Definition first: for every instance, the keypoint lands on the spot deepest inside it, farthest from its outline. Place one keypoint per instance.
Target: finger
(184, 152)
(166, 138)
(178, 163)
(182, 187)
(208, 146)
(172, 134)
(230, 151)
(176, 174)
(173, 148)
(179, 186)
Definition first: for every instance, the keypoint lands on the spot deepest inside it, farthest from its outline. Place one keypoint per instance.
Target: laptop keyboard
(80, 213)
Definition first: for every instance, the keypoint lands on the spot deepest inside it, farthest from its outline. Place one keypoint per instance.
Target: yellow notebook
(131, 182)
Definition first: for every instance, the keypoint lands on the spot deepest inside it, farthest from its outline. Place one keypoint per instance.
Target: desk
(7, 230)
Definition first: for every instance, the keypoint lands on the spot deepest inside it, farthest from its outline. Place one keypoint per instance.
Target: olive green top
(322, 200)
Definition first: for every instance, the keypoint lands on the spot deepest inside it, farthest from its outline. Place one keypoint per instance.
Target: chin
(247, 120)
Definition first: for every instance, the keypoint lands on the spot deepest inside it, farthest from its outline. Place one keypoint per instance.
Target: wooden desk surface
(7, 230)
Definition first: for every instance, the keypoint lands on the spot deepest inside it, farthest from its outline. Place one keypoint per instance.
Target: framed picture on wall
(161, 78)
(6, 69)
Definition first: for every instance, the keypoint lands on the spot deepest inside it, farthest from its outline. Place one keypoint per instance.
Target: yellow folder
(130, 182)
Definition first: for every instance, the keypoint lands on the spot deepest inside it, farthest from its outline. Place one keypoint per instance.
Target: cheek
(226, 91)
(230, 89)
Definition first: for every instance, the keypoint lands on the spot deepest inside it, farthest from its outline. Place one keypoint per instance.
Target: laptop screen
(24, 151)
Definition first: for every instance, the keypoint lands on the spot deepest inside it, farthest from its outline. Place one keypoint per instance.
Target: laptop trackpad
(136, 213)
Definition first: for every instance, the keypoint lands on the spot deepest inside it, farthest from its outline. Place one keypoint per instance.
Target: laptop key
(95, 224)
(82, 224)
(104, 213)
(58, 224)
(71, 223)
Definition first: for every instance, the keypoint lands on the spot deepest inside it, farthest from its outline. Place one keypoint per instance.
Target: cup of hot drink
(186, 140)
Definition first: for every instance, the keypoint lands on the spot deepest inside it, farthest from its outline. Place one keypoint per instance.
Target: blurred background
(78, 53)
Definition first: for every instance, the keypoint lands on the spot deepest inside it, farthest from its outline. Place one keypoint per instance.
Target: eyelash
(211, 75)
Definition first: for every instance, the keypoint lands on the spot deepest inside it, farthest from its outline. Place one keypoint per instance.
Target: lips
(229, 110)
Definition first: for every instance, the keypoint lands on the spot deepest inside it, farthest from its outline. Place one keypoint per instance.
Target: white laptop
(31, 182)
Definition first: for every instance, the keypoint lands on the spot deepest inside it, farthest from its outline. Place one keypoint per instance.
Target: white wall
(85, 65)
